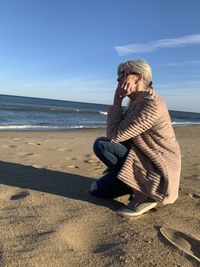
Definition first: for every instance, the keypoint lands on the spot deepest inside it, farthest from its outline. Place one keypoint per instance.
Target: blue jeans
(113, 156)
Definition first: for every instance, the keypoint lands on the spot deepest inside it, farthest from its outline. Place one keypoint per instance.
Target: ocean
(28, 113)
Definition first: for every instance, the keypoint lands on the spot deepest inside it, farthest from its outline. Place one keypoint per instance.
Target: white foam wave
(2, 127)
(184, 123)
(36, 127)
(103, 112)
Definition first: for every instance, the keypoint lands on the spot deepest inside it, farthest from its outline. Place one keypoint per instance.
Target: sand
(48, 218)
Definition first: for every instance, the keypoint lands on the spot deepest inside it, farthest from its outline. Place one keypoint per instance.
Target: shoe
(134, 208)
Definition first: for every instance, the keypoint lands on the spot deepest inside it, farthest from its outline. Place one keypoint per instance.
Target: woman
(140, 150)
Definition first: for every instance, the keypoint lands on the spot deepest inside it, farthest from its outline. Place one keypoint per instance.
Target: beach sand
(48, 218)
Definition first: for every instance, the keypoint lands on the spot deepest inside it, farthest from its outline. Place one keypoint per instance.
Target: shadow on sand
(69, 185)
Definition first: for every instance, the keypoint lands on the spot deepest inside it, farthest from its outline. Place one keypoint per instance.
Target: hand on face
(126, 87)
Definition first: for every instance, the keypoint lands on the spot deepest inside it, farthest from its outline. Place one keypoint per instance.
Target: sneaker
(134, 208)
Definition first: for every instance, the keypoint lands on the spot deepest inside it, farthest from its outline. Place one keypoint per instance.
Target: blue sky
(70, 50)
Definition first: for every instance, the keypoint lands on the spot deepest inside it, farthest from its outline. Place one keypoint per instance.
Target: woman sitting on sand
(140, 150)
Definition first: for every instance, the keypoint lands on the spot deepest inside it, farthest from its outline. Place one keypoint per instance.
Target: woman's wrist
(117, 101)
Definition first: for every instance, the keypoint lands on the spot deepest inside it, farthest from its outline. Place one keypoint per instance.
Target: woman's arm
(120, 129)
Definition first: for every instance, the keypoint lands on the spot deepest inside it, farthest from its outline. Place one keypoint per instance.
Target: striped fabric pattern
(153, 164)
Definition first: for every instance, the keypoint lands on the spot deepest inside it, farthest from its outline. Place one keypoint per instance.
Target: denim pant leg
(112, 155)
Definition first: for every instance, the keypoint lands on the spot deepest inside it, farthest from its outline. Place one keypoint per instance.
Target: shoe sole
(130, 213)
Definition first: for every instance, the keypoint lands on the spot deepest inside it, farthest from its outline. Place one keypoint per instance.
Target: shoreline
(86, 130)
(53, 130)
(80, 129)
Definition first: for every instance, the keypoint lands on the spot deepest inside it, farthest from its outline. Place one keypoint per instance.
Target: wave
(7, 127)
(103, 112)
(185, 123)
(44, 127)
(51, 110)
(66, 127)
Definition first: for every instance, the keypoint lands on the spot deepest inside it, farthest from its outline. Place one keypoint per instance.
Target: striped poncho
(153, 163)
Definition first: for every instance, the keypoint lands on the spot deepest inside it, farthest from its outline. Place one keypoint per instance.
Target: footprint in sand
(34, 240)
(75, 238)
(194, 195)
(26, 154)
(77, 233)
(188, 244)
(20, 195)
(73, 158)
(29, 154)
(83, 234)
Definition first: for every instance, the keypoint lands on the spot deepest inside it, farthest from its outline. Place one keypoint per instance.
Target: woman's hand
(123, 89)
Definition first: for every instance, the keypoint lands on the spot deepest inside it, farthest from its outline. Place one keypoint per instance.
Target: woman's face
(129, 78)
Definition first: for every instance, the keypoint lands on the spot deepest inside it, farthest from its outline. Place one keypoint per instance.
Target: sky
(70, 50)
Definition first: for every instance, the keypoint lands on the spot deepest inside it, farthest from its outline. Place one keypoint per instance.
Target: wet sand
(48, 218)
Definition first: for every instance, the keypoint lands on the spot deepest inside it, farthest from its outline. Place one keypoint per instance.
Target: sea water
(18, 113)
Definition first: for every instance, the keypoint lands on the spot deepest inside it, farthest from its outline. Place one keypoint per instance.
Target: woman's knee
(99, 144)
